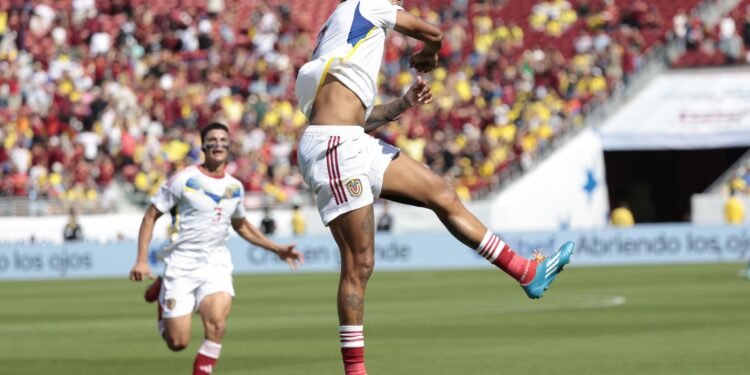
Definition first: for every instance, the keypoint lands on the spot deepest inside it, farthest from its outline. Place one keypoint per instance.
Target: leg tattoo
(355, 302)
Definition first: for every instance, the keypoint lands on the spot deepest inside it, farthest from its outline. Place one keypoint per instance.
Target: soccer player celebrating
(347, 168)
(204, 201)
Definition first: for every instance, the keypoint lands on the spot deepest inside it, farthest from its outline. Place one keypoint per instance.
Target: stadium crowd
(94, 94)
(726, 43)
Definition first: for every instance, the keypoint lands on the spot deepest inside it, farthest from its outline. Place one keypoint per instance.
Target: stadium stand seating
(113, 94)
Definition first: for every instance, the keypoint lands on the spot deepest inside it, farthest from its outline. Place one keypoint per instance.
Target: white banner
(566, 191)
(684, 110)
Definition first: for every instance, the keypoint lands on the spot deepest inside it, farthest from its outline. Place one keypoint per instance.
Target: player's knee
(215, 329)
(177, 344)
(443, 196)
(364, 269)
(360, 272)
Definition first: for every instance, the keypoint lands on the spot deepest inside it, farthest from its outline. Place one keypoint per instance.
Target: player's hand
(292, 257)
(419, 93)
(424, 62)
(140, 271)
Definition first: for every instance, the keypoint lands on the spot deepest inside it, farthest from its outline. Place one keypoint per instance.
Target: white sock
(351, 336)
(491, 246)
(210, 349)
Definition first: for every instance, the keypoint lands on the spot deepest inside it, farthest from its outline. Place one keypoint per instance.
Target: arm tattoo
(385, 113)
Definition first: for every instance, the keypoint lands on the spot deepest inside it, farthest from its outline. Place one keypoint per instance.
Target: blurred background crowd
(102, 99)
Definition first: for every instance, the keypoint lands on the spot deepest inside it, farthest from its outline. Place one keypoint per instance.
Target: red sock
(501, 255)
(205, 360)
(353, 349)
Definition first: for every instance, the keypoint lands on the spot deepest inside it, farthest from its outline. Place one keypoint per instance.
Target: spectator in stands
(654, 19)
(621, 216)
(746, 27)
(680, 25)
(696, 34)
(739, 183)
(584, 43)
(385, 220)
(298, 221)
(734, 209)
(635, 14)
(730, 43)
(267, 224)
(583, 7)
(72, 230)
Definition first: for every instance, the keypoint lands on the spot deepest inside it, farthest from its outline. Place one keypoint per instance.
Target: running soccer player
(204, 201)
(347, 168)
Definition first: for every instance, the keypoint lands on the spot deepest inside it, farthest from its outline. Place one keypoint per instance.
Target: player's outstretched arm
(251, 234)
(426, 59)
(418, 94)
(141, 268)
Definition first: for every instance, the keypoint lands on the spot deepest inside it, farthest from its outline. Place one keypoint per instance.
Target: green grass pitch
(683, 319)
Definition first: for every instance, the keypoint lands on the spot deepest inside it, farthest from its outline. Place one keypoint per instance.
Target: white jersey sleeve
(382, 13)
(239, 212)
(168, 195)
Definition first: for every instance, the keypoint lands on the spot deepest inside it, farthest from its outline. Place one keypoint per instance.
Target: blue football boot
(547, 269)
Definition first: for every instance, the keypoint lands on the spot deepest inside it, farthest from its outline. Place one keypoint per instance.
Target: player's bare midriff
(335, 104)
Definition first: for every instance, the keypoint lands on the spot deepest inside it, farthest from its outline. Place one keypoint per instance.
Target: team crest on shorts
(355, 187)
(170, 302)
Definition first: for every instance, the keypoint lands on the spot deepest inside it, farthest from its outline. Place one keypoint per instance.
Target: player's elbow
(238, 225)
(434, 36)
(417, 28)
(429, 34)
(152, 214)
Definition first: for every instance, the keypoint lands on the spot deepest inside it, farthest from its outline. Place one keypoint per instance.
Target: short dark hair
(212, 126)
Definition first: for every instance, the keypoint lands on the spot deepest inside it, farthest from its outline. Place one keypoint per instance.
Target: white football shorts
(344, 166)
(183, 290)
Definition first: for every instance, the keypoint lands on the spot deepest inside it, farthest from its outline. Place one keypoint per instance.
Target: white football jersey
(202, 209)
(350, 46)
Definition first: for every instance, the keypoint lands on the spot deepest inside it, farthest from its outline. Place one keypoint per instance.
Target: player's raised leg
(355, 236)
(214, 310)
(408, 181)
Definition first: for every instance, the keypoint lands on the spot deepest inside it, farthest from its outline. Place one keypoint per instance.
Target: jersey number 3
(217, 219)
(321, 34)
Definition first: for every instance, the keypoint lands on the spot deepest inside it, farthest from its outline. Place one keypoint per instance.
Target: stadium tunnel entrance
(657, 185)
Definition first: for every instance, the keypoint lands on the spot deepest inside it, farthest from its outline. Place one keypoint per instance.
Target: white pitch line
(592, 302)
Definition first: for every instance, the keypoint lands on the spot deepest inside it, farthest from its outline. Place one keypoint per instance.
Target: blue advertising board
(645, 244)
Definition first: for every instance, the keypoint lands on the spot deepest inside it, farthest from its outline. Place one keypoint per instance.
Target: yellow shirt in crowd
(298, 223)
(622, 217)
(734, 210)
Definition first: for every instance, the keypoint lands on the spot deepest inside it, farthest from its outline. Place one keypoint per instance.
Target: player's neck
(213, 170)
